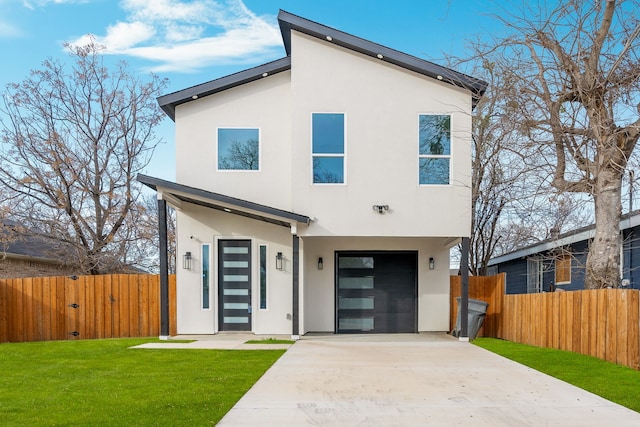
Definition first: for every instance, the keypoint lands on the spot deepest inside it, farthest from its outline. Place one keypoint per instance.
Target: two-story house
(320, 192)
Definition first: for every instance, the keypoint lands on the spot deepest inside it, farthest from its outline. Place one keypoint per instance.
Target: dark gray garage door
(376, 292)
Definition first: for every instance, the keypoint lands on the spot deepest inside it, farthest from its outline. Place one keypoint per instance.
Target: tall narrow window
(263, 277)
(238, 149)
(206, 275)
(435, 148)
(328, 148)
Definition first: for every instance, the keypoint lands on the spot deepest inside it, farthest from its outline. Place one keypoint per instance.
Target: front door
(376, 292)
(234, 285)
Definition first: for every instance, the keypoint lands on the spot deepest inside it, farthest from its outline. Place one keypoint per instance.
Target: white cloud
(182, 36)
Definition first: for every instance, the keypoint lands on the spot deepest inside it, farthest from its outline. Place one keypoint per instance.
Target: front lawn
(616, 383)
(105, 383)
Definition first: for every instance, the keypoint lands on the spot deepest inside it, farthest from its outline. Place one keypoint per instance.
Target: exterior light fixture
(380, 56)
(186, 261)
(329, 38)
(279, 261)
(194, 97)
(432, 263)
(320, 264)
(380, 208)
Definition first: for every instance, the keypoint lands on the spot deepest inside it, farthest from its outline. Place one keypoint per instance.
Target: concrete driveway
(413, 380)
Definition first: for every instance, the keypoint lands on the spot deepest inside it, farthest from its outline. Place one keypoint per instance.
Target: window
(263, 277)
(563, 269)
(534, 275)
(327, 142)
(434, 135)
(238, 149)
(206, 274)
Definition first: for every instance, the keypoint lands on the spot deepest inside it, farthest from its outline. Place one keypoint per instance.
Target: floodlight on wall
(320, 264)
(432, 263)
(380, 208)
(186, 261)
(279, 261)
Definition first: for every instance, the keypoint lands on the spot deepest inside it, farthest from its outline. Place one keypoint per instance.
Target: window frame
(209, 265)
(217, 147)
(448, 157)
(263, 294)
(563, 257)
(342, 155)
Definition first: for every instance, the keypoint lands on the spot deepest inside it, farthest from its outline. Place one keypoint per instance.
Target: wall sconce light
(186, 261)
(279, 261)
(432, 263)
(320, 264)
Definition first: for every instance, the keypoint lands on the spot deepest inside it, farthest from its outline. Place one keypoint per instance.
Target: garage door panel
(376, 292)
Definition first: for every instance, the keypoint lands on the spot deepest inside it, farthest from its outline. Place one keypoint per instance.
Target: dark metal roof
(290, 22)
(169, 102)
(219, 201)
(627, 221)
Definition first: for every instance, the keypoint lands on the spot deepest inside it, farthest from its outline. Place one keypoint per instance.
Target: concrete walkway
(413, 380)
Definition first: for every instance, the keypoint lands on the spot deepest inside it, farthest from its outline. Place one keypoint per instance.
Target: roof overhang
(177, 194)
(169, 102)
(290, 22)
(629, 220)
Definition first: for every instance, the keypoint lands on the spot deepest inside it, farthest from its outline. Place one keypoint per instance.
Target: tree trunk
(603, 261)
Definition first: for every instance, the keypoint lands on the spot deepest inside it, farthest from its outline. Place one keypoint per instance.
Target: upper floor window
(238, 149)
(435, 148)
(327, 148)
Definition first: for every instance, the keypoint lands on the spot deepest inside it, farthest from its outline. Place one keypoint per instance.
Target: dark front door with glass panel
(234, 285)
(376, 292)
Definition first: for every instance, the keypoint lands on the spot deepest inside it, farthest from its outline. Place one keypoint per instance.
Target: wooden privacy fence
(489, 289)
(89, 307)
(603, 323)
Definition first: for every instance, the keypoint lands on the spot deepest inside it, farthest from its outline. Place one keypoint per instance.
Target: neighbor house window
(328, 148)
(434, 134)
(206, 276)
(263, 277)
(238, 149)
(563, 269)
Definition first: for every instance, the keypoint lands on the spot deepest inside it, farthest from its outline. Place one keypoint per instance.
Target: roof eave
(289, 21)
(169, 102)
(224, 200)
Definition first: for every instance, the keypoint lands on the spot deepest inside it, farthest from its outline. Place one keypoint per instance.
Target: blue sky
(192, 42)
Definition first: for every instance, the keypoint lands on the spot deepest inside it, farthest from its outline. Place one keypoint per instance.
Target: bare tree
(576, 75)
(73, 142)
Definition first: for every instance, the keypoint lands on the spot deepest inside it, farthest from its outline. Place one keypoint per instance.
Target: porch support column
(464, 294)
(295, 318)
(164, 269)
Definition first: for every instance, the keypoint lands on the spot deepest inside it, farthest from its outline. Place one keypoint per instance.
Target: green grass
(616, 383)
(270, 341)
(104, 383)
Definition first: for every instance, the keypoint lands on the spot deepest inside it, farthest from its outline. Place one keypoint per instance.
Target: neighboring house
(559, 263)
(320, 192)
(24, 253)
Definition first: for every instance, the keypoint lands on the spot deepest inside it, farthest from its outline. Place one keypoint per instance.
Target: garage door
(376, 292)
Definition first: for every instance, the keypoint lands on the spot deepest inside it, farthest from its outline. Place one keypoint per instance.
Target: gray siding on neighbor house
(516, 269)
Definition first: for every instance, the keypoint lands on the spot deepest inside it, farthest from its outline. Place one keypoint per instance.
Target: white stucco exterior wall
(382, 104)
(263, 104)
(198, 225)
(433, 285)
